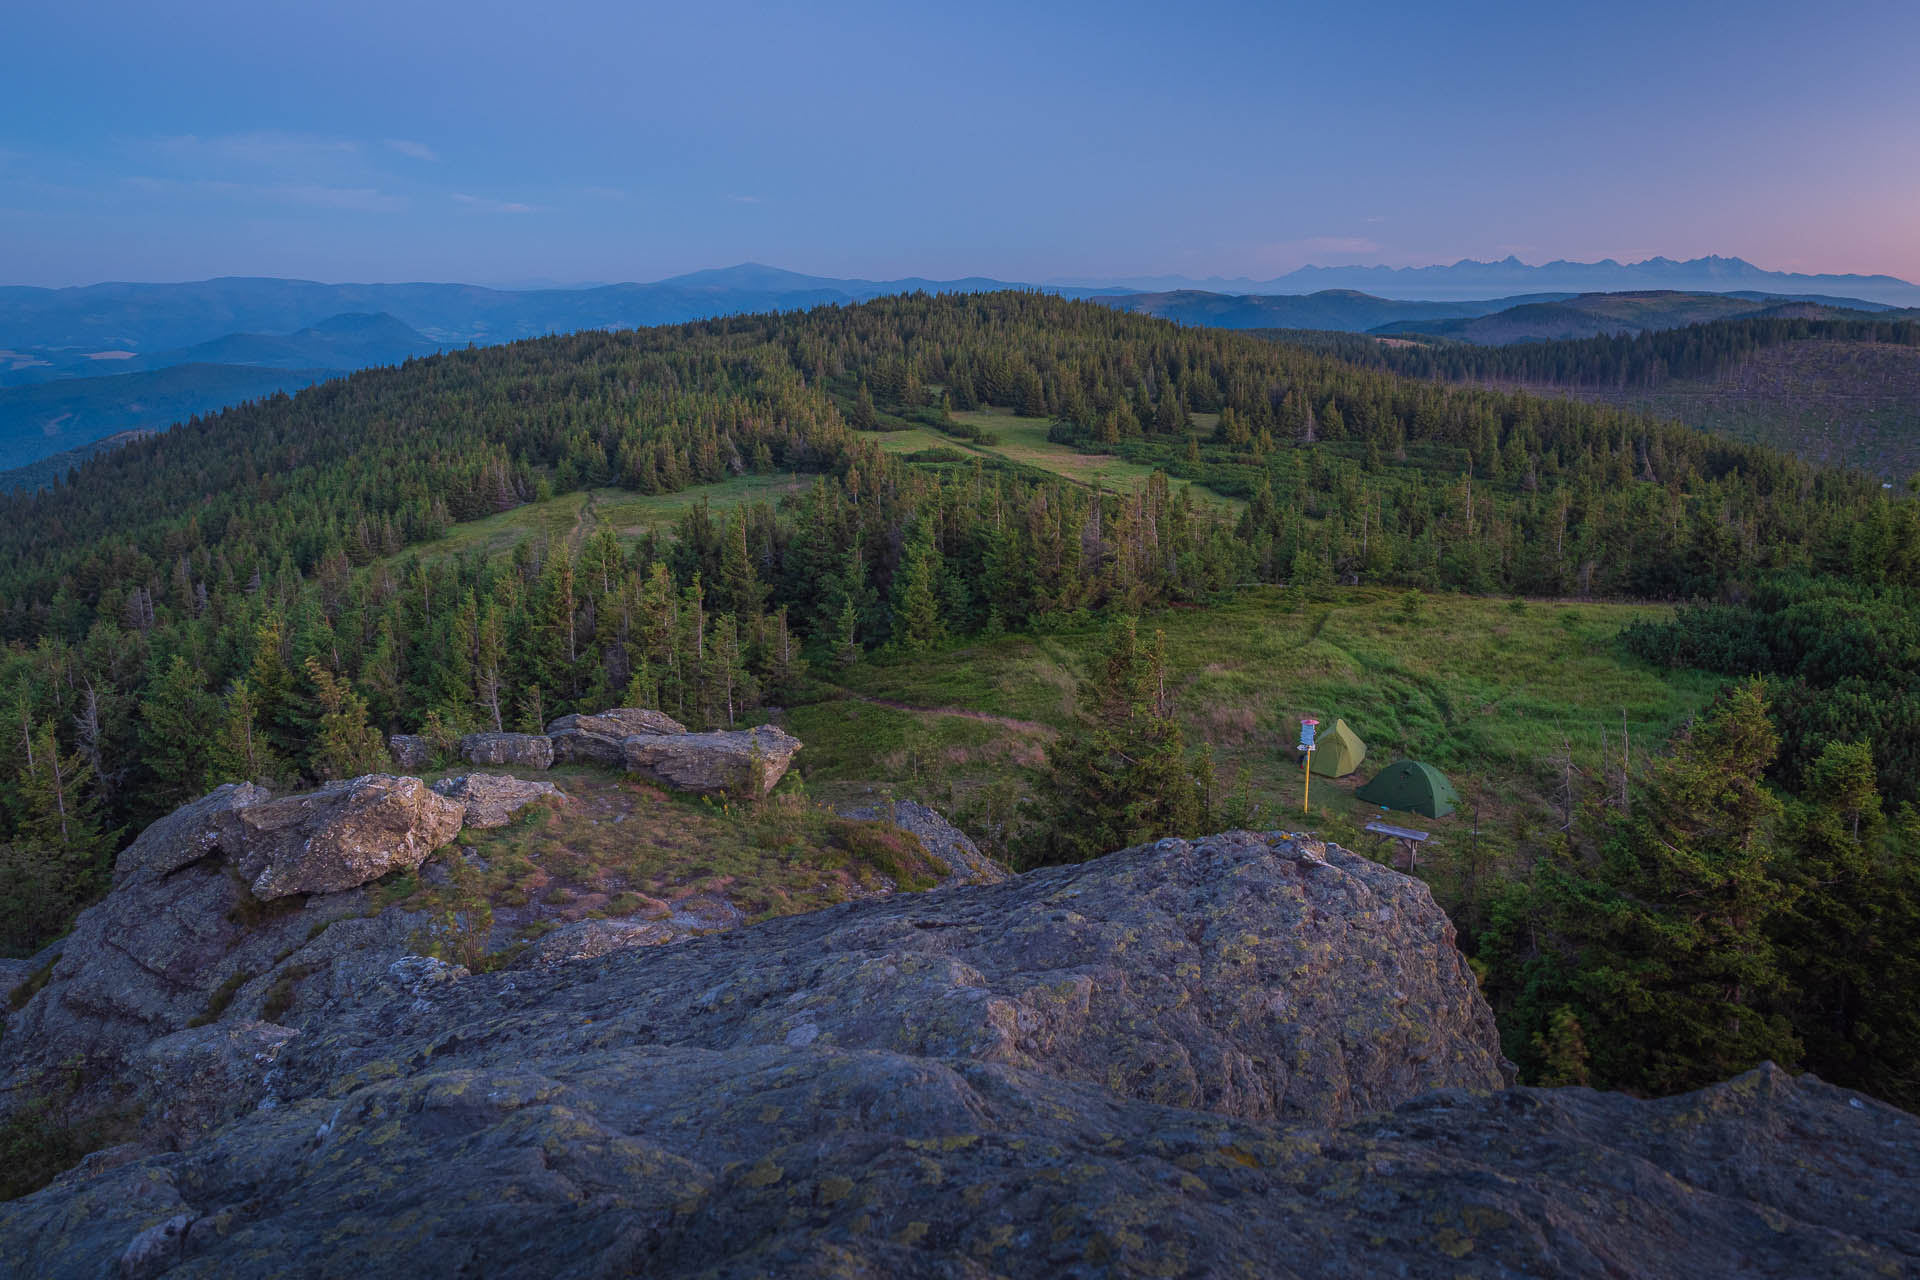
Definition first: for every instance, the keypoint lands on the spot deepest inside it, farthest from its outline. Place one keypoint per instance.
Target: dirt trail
(1024, 726)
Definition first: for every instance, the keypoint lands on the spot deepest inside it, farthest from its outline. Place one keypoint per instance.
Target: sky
(599, 140)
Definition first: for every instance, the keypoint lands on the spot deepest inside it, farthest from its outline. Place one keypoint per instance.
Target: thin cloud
(747, 199)
(412, 150)
(480, 204)
(260, 148)
(308, 195)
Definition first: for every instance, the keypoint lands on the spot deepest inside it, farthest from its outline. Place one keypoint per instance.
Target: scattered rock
(965, 863)
(491, 799)
(411, 752)
(520, 750)
(740, 762)
(1080, 1071)
(341, 835)
(202, 1077)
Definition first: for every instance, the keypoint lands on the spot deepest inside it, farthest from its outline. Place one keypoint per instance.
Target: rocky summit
(1243, 1055)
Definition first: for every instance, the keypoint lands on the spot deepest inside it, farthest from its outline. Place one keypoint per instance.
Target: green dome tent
(1413, 787)
(1338, 752)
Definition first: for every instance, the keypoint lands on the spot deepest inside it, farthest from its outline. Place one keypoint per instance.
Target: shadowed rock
(519, 750)
(198, 1079)
(411, 752)
(491, 799)
(741, 762)
(1082, 1071)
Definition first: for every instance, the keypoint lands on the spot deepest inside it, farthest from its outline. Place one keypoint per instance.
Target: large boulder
(740, 762)
(517, 750)
(1082, 1071)
(491, 799)
(597, 739)
(342, 835)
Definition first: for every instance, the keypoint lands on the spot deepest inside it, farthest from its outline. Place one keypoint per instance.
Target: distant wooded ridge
(84, 364)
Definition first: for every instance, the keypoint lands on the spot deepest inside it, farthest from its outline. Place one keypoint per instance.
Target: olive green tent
(1413, 787)
(1338, 752)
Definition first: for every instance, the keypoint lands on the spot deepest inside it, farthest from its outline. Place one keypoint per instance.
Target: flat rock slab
(492, 799)
(740, 762)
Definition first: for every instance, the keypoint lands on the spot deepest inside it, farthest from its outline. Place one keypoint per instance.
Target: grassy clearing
(571, 515)
(1491, 692)
(1024, 441)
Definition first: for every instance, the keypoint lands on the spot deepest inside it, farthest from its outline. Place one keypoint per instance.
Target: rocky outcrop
(946, 842)
(1243, 1055)
(411, 752)
(740, 762)
(597, 739)
(492, 799)
(516, 750)
(341, 835)
(184, 939)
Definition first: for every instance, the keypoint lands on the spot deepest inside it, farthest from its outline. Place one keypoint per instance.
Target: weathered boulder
(519, 750)
(965, 863)
(1076, 1072)
(411, 752)
(198, 1079)
(491, 799)
(194, 832)
(739, 762)
(341, 835)
(596, 739)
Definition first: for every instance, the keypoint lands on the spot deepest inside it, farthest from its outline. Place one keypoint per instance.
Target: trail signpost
(1306, 769)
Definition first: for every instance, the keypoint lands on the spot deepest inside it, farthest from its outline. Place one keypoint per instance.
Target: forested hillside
(1838, 389)
(247, 595)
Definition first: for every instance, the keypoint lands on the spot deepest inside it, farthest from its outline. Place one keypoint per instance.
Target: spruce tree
(345, 745)
(177, 719)
(1120, 775)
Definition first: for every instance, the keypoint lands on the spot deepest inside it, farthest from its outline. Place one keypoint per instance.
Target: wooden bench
(1408, 839)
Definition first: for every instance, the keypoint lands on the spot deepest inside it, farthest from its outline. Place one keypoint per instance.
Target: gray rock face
(966, 864)
(198, 1079)
(182, 937)
(740, 762)
(492, 799)
(520, 750)
(587, 939)
(411, 752)
(597, 739)
(341, 835)
(1077, 1072)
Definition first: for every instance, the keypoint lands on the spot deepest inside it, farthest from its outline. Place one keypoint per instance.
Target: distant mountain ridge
(1469, 278)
